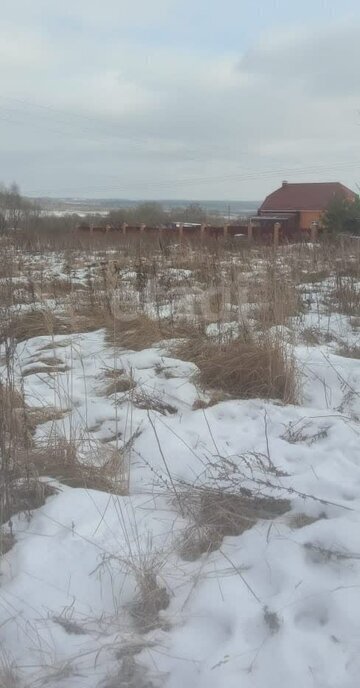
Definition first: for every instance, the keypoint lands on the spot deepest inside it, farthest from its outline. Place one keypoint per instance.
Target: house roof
(317, 196)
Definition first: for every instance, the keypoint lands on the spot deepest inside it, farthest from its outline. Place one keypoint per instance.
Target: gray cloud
(321, 62)
(80, 112)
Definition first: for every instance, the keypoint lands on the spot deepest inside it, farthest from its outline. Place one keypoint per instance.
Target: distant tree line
(153, 213)
(19, 212)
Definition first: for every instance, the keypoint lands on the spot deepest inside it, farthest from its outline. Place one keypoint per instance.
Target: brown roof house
(304, 204)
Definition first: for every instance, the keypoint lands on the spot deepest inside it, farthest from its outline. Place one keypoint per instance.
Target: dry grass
(59, 460)
(120, 382)
(349, 350)
(140, 332)
(277, 306)
(312, 336)
(131, 674)
(23, 495)
(38, 415)
(345, 298)
(215, 398)
(243, 369)
(47, 369)
(51, 361)
(18, 421)
(136, 333)
(23, 462)
(9, 674)
(20, 490)
(217, 514)
(273, 295)
(7, 541)
(36, 323)
(313, 277)
(298, 521)
(152, 598)
(15, 430)
(150, 402)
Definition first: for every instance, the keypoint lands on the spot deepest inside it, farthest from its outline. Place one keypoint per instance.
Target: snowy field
(228, 552)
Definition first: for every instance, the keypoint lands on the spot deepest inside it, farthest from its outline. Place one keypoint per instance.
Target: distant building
(302, 205)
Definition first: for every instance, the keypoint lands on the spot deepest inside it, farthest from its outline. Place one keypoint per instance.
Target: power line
(176, 183)
(107, 130)
(145, 185)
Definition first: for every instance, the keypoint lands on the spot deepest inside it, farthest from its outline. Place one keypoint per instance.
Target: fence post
(250, 231)
(225, 230)
(123, 227)
(277, 226)
(181, 231)
(313, 232)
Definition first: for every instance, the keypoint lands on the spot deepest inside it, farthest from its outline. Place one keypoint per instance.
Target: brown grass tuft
(37, 415)
(120, 382)
(243, 369)
(152, 598)
(36, 323)
(137, 333)
(59, 460)
(298, 521)
(218, 514)
(48, 370)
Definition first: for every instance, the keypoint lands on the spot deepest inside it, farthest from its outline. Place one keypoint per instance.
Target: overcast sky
(198, 99)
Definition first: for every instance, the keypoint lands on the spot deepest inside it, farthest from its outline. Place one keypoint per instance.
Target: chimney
(285, 183)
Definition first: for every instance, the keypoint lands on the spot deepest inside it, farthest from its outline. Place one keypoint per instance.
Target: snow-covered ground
(277, 605)
(274, 605)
